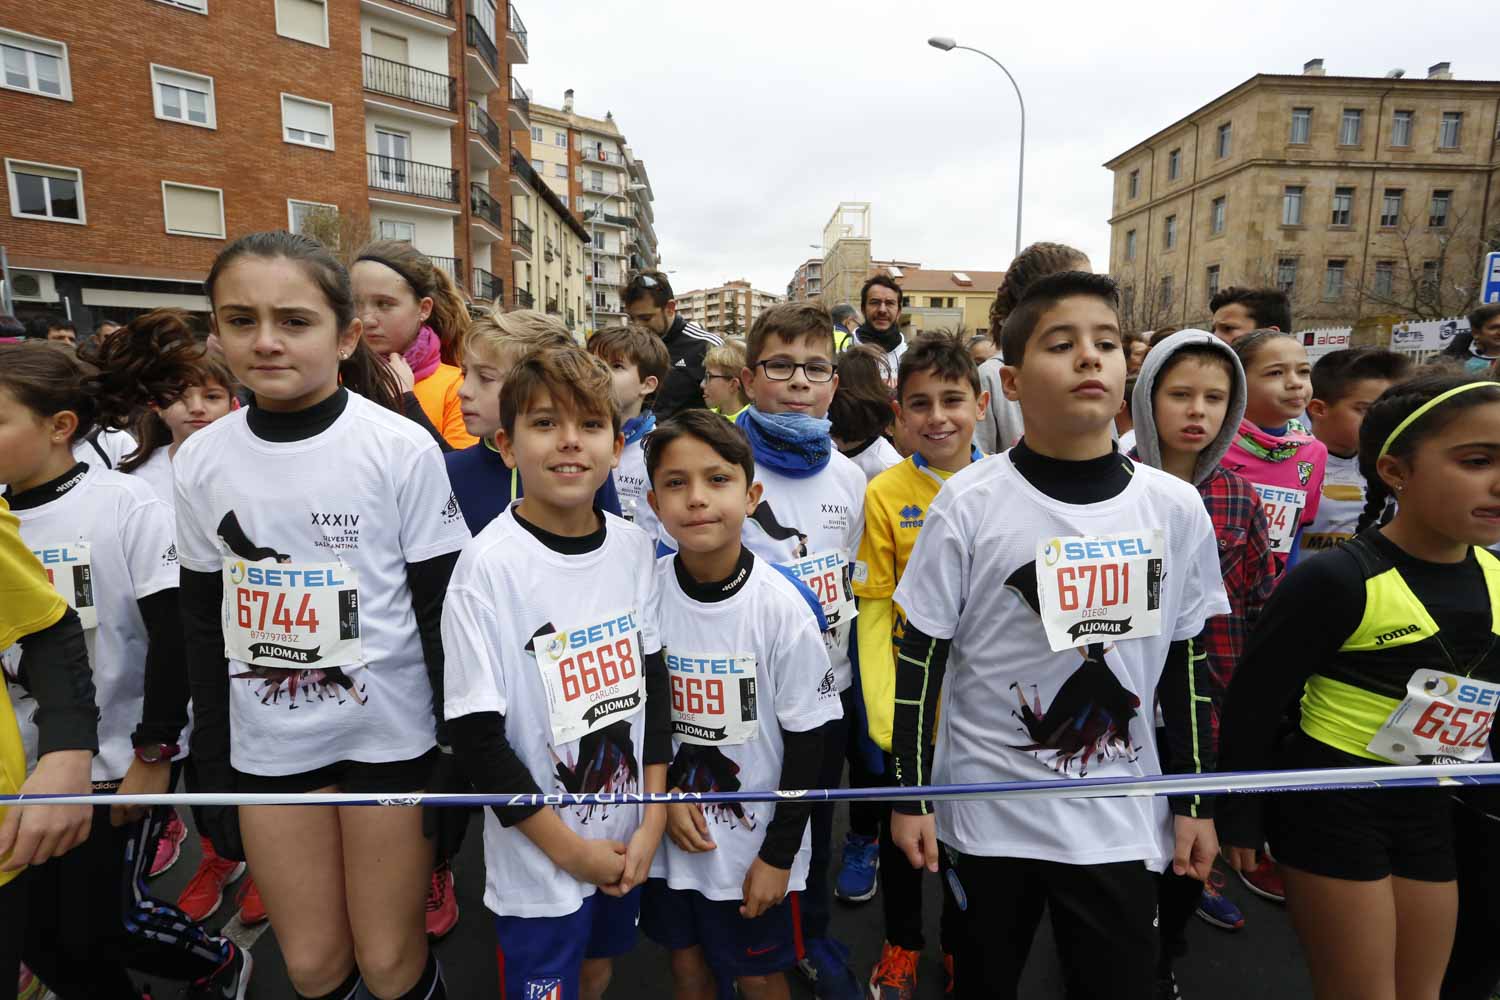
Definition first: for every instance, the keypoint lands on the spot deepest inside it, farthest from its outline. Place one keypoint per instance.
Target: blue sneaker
(1215, 908)
(856, 879)
(825, 963)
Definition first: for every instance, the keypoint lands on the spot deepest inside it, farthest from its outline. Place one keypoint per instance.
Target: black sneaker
(1166, 988)
(230, 981)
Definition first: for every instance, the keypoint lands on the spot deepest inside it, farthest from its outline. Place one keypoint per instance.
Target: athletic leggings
(901, 892)
(85, 918)
(1474, 966)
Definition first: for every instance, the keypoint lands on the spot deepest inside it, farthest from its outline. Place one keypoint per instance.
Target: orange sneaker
(948, 969)
(252, 910)
(205, 890)
(895, 978)
(442, 904)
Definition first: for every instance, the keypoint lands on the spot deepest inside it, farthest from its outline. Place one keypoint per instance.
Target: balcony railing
(520, 234)
(453, 266)
(480, 40)
(519, 99)
(552, 307)
(547, 251)
(411, 83)
(425, 180)
(483, 124)
(598, 155)
(443, 7)
(599, 187)
(524, 299)
(482, 204)
(487, 286)
(517, 26)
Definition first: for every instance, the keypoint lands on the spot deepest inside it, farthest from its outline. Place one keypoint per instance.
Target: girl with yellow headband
(1392, 642)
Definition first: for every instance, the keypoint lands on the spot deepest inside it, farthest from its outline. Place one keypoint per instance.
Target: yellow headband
(1416, 414)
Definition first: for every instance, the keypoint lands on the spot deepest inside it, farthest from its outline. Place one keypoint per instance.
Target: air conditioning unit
(33, 286)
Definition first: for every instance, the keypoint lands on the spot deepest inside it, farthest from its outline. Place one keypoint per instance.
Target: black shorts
(346, 776)
(1362, 835)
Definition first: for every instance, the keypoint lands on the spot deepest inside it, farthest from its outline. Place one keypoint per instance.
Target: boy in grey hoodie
(1188, 401)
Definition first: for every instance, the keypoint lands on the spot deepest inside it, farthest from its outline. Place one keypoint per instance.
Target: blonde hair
(492, 333)
(729, 356)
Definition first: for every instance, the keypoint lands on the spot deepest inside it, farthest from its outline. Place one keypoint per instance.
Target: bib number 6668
(598, 667)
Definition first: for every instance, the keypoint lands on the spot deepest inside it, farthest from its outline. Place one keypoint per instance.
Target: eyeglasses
(782, 371)
(710, 376)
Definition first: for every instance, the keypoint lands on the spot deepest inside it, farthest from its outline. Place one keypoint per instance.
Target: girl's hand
(402, 371)
(33, 834)
(140, 779)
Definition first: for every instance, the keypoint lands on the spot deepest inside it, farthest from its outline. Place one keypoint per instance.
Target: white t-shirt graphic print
(1013, 710)
(366, 496)
(632, 486)
(552, 641)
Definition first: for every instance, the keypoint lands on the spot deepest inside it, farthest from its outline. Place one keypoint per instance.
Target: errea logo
(911, 516)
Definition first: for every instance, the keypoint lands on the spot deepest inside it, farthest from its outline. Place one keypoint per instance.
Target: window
(1164, 293)
(1174, 164)
(1216, 215)
(392, 229)
(1127, 301)
(1130, 245)
(1133, 184)
(1401, 122)
(934, 302)
(191, 210)
(1442, 201)
(42, 191)
(1390, 207)
(536, 133)
(303, 20)
(298, 212)
(1450, 129)
(560, 139)
(596, 180)
(1301, 126)
(1385, 277)
(183, 97)
(1222, 149)
(201, 6)
(1349, 127)
(560, 170)
(1286, 275)
(1333, 280)
(35, 65)
(1343, 207)
(307, 123)
(1169, 232)
(1291, 206)
(1429, 288)
(539, 167)
(1212, 284)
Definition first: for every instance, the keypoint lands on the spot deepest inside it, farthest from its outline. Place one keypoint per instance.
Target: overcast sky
(756, 119)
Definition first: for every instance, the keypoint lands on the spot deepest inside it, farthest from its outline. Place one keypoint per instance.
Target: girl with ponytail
(1391, 641)
(415, 317)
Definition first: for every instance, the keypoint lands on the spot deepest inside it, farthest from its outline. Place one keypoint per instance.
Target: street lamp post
(947, 45)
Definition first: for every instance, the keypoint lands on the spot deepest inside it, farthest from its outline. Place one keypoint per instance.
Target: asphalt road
(1262, 960)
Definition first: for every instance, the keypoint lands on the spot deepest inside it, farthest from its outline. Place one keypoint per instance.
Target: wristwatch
(157, 753)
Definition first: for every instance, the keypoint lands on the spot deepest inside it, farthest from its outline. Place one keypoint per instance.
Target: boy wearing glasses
(809, 520)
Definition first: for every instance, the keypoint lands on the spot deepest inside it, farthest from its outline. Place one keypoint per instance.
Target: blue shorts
(541, 958)
(732, 945)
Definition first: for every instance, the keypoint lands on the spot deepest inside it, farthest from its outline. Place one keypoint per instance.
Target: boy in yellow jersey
(939, 402)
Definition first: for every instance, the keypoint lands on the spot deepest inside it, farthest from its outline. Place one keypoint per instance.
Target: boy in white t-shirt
(638, 362)
(744, 651)
(1345, 383)
(1069, 586)
(555, 682)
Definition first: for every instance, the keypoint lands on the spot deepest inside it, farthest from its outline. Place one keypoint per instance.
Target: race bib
(1100, 588)
(297, 616)
(592, 675)
(70, 571)
(1284, 509)
(713, 698)
(827, 576)
(1444, 718)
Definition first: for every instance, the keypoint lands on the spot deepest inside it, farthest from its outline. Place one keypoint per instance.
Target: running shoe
(948, 972)
(169, 845)
(30, 987)
(895, 978)
(230, 981)
(442, 904)
(205, 890)
(1166, 988)
(856, 879)
(1216, 908)
(252, 910)
(1265, 881)
(825, 963)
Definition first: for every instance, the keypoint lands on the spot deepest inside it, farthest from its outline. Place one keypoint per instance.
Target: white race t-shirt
(632, 485)
(1339, 510)
(107, 449)
(876, 458)
(1013, 710)
(743, 669)
(156, 471)
(106, 543)
(557, 644)
(813, 526)
(313, 538)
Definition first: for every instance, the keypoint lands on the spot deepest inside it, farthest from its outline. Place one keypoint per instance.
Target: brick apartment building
(143, 135)
(730, 309)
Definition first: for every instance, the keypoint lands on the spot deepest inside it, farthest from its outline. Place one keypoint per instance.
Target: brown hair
(944, 354)
(790, 321)
(521, 331)
(710, 428)
(151, 432)
(362, 372)
(861, 407)
(878, 281)
(450, 314)
(635, 345)
(571, 376)
(1036, 261)
(648, 284)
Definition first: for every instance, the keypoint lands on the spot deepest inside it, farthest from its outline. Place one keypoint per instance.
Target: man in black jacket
(649, 302)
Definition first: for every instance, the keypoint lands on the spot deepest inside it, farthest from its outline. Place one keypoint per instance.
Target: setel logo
(265, 576)
(1079, 549)
(614, 628)
(1447, 686)
(911, 516)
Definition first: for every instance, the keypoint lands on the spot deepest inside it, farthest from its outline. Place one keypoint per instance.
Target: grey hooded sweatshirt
(1147, 442)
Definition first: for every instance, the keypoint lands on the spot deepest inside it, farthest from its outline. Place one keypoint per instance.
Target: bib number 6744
(251, 607)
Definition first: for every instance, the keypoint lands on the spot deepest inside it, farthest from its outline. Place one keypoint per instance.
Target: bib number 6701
(595, 668)
(1108, 585)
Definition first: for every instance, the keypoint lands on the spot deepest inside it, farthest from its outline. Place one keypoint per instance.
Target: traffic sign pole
(1489, 279)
